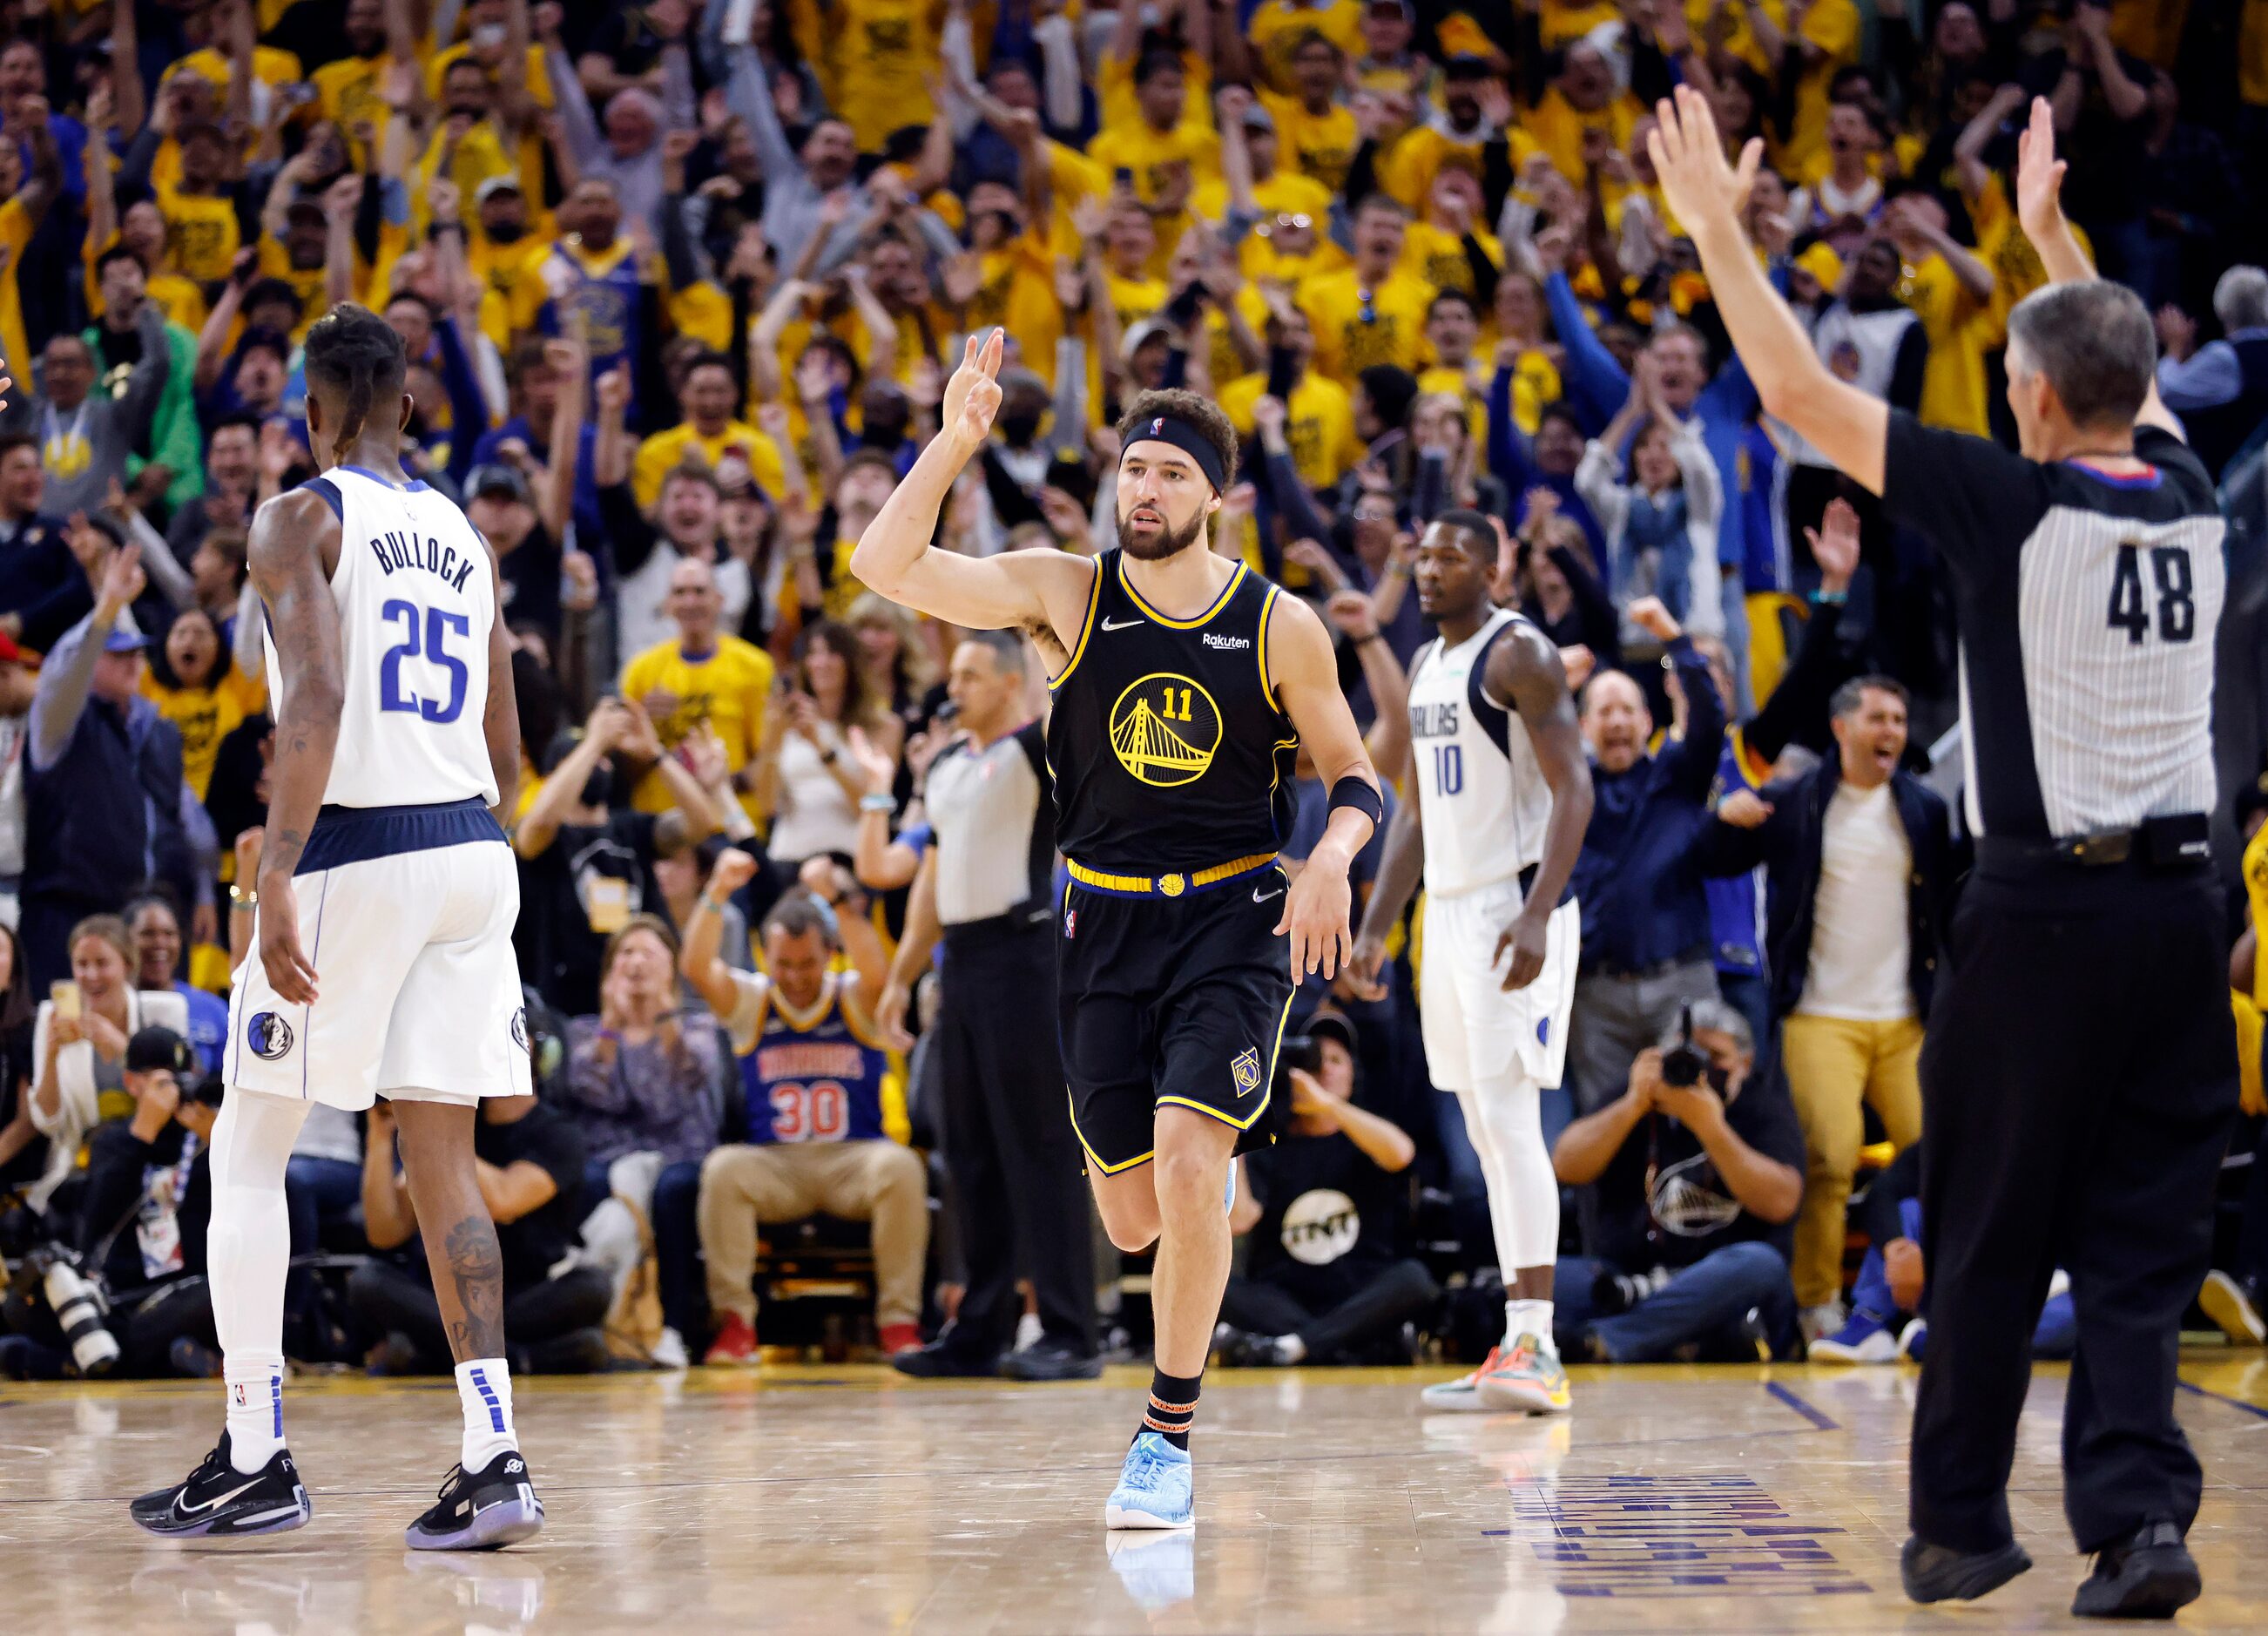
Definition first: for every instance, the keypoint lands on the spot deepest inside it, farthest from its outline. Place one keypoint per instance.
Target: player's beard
(1169, 542)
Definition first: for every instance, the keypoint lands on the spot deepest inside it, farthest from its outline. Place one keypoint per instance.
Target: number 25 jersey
(417, 599)
(1169, 750)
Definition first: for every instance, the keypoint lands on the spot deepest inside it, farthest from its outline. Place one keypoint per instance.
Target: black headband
(1185, 437)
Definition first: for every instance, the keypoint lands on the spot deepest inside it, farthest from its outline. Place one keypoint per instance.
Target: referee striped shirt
(2087, 605)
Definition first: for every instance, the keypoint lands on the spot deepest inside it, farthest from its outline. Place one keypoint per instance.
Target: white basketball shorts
(1476, 1035)
(406, 914)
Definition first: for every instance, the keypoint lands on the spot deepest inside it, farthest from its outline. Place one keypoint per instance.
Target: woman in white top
(1661, 526)
(808, 782)
(79, 1043)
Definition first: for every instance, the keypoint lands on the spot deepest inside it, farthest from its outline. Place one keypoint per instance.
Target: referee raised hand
(2080, 1073)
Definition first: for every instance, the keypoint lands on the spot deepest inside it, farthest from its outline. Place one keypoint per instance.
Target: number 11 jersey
(417, 599)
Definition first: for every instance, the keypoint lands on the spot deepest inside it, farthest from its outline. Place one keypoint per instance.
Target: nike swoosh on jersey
(181, 1504)
(1258, 898)
(1121, 624)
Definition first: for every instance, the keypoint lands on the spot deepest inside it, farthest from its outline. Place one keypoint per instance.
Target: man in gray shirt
(85, 436)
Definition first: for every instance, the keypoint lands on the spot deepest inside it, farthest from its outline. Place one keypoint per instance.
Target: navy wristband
(1359, 794)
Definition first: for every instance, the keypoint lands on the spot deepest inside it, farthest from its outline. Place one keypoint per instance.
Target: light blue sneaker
(1154, 1488)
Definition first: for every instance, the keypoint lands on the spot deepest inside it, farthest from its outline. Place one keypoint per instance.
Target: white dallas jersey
(1480, 791)
(417, 602)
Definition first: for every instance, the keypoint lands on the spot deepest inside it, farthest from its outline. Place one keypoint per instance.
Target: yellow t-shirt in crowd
(1831, 27)
(1285, 193)
(270, 66)
(1278, 25)
(307, 283)
(1018, 294)
(1121, 108)
(204, 716)
(1406, 169)
(664, 452)
(1148, 154)
(182, 302)
(1318, 423)
(515, 284)
(1353, 333)
(1319, 146)
(1959, 327)
(1563, 21)
(530, 158)
(1437, 256)
(201, 235)
(2002, 247)
(16, 228)
(881, 50)
(728, 689)
(347, 93)
(1557, 126)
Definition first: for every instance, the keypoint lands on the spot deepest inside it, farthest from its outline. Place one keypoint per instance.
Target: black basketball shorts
(1172, 1002)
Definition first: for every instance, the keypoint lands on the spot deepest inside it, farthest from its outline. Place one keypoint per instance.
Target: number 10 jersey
(1480, 792)
(417, 599)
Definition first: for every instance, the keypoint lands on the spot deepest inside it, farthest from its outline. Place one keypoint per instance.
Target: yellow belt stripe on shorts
(1166, 885)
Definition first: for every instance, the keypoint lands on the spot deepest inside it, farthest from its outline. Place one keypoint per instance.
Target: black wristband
(1361, 795)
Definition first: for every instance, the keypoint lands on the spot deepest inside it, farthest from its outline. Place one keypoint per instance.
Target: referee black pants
(1018, 1184)
(2078, 1085)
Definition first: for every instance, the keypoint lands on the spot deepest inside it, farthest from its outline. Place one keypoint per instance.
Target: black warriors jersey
(1169, 750)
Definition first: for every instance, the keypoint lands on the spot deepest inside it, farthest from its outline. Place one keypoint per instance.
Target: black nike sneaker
(481, 1510)
(219, 1500)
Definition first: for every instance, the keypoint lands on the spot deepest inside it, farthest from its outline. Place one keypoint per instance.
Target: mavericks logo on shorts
(267, 1036)
(1246, 1069)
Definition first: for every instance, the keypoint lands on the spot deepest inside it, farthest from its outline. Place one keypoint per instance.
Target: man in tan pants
(813, 1071)
(1861, 866)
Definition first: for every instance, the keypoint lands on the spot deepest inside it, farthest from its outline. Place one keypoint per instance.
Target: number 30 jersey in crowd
(417, 599)
(819, 1075)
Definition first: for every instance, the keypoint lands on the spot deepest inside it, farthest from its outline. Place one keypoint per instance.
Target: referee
(2080, 1075)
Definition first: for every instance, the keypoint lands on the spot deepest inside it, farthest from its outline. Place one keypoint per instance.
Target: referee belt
(2183, 841)
(1166, 885)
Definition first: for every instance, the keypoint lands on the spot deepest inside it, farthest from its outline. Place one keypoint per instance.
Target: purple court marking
(1802, 1408)
(2234, 1402)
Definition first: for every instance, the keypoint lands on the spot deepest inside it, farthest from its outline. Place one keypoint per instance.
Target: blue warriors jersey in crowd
(604, 287)
(821, 1075)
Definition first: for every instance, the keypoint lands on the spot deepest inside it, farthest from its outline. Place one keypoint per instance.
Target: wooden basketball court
(1730, 1500)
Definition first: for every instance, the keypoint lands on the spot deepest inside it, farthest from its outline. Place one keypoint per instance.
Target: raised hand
(2039, 173)
(1689, 160)
(1352, 613)
(1743, 809)
(972, 397)
(1835, 545)
(734, 870)
(1649, 616)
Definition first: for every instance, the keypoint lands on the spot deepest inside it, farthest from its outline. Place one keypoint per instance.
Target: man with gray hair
(2080, 1076)
(1695, 1172)
(2222, 393)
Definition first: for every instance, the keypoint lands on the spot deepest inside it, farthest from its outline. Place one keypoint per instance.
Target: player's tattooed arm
(500, 721)
(1525, 671)
(293, 537)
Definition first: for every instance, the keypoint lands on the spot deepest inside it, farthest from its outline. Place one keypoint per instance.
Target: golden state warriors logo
(1246, 1071)
(1164, 730)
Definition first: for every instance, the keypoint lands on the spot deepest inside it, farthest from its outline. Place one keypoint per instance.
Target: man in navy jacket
(1862, 869)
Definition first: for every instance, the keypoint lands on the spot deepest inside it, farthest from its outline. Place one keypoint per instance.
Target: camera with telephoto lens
(80, 1308)
(1684, 1063)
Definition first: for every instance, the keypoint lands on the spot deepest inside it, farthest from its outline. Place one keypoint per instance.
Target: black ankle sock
(1172, 1406)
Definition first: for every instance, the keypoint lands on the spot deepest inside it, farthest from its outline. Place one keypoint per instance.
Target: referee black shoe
(219, 1500)
(943, 1359)
(1048, 1359)
(481, 1510)
(1940, 1574)
(2149, 1574)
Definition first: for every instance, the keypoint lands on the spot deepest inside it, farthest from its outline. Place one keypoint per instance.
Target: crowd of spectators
(680, 285)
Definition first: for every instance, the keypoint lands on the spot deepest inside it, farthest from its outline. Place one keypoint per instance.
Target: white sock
(1529, 1317)
(485, 1389)
(255, 1410)
(1290, 1349)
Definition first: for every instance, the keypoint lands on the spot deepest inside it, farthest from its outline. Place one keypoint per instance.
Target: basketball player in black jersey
(1183, 685)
